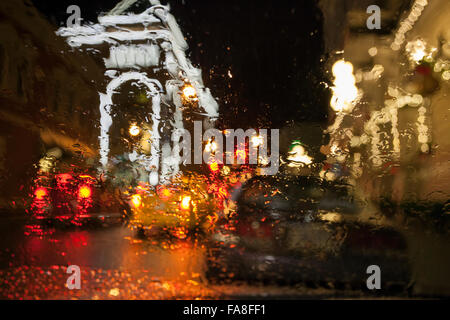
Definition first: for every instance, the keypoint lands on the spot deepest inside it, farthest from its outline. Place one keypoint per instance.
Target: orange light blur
(40, 193)
(134, 130)
(165, 193)
(185, 202)
(136, 200)
(180, 233)
(84, 176)
(84, 192)
(214, 166)
(223, 192)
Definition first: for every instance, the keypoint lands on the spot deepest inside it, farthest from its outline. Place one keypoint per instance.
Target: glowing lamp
(136, 200)
(185, 202)
(164, 193)
(214, 166)
(189, 92)
(134, 130)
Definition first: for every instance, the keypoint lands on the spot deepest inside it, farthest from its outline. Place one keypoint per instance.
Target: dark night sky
(273, 50)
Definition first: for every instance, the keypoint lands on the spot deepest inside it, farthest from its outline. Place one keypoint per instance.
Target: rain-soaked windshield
(188, 149)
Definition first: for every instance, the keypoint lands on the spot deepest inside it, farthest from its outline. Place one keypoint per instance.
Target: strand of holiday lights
(408, 23)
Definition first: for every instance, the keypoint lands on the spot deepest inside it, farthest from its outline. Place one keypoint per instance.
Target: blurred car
(304, 229)
(76, 198)
(181, 208)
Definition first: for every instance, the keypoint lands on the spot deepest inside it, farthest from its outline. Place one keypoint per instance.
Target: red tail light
(185, 203)
(164, 193)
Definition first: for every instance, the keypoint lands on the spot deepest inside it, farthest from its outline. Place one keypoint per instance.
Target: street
(115, 264)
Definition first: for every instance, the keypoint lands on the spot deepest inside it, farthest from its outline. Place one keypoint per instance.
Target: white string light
(408, 23)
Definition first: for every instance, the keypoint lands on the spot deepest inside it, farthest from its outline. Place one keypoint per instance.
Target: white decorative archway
(155, 89)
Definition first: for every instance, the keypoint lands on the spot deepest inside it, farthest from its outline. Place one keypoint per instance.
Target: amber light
(189, 92)
(185, 202)
(214, 166)
(40, 193)
(134, 130)
(136, 200)
(84, 192)
(164, 193)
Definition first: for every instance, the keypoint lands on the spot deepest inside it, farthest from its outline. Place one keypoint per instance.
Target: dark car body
(76, 198)
(304, 229)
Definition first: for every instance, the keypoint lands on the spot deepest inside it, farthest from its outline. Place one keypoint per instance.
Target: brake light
(84, 192)
(136, 200)
(185, 203)
(40, 193)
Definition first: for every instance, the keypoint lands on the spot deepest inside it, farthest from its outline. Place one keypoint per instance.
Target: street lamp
(134, 130)
(189, 93)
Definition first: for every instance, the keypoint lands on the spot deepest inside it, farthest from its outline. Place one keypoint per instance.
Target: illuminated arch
(106, 120)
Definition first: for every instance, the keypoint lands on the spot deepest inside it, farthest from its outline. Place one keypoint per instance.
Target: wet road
(115, 264)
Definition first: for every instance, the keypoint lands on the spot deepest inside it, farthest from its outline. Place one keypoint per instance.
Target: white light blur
(408, 23)
(257, 140)
(345, 92)
(298, 157)
(210, 146)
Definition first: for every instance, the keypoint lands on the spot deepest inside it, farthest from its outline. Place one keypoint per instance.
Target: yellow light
(342, 68)
(114, 292)
(189, 92)
(84, 192)
(417, 50)
(214, 166)
(164, 193)
(185, 202)
(136, 200)
(134, 130)
(241, 155)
